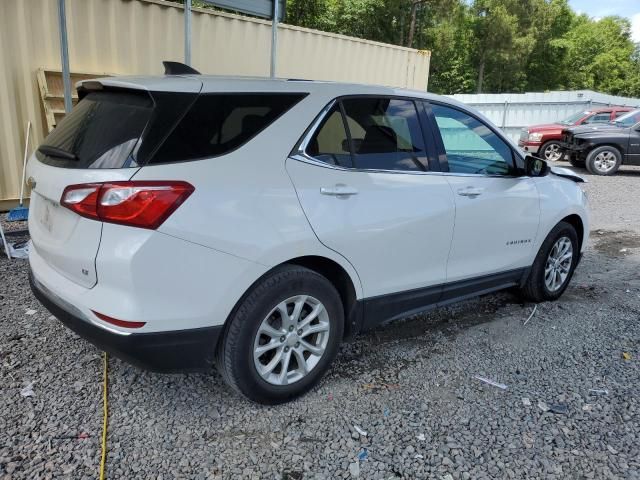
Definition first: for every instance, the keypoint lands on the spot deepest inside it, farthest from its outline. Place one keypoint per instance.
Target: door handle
(339, 190)
(471, 192)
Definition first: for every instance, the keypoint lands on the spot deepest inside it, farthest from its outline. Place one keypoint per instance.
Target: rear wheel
(604, 160)
(554, 265)
(283, 336)
(551, 152)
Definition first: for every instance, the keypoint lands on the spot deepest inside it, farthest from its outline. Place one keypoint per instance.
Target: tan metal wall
(134, 36)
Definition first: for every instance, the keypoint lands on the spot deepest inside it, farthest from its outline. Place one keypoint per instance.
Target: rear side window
(100, 132)
(217, 124)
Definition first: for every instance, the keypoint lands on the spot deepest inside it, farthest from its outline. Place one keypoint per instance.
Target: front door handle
(339, 190)
(470, 192)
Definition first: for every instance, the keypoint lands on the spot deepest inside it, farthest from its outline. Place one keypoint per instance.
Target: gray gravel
(410, 387)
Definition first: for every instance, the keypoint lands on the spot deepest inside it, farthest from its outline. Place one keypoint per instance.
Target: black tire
(576, 163)
(535, 288)
(608, 150)
(235, 353)
(547, 147)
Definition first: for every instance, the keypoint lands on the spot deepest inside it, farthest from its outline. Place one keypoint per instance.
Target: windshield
(574, 118)
(628, 119)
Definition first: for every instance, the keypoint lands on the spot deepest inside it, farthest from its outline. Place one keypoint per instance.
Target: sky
(602, 8)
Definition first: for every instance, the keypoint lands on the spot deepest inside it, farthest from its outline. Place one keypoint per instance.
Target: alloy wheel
(291, 340)
(552, 153)
(558, 264)
(605, 161)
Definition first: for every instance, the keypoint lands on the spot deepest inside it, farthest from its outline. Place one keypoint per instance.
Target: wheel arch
(576, 222)
(341, 280)
(332, 271)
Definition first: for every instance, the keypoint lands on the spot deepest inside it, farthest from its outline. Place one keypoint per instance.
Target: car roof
(609, 109)
(219, 83)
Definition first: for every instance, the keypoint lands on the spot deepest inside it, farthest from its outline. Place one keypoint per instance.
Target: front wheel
(283, 336)
(604, 160)
(554, 265)
(551, 152)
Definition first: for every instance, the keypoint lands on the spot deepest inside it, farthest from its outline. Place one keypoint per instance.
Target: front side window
(470, 145)
(380, 134)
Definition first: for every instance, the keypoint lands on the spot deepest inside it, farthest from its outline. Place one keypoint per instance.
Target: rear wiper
(57, 152)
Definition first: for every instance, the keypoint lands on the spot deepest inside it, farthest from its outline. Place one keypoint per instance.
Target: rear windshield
(100, 132)
(217, 124)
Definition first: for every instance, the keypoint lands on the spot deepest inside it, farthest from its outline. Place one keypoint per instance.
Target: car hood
(546, 127)
(591, 130)
(567, 173)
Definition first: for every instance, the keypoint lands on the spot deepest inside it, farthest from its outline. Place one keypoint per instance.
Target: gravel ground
(409, 386)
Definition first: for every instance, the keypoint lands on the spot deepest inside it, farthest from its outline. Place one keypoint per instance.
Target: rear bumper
(178, 350)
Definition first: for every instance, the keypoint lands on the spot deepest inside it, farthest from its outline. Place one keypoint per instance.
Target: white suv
(188, 220)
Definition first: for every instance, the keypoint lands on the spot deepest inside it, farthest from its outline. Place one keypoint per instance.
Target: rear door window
(217, 124)
(100, 132)
(385, 134)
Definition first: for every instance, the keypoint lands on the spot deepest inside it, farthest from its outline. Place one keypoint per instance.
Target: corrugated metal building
(513, 111)
(134, 36)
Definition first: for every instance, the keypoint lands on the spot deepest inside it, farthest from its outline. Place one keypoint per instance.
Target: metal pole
(64, 55)
(187, 32)
(504, 113)
(274, 36)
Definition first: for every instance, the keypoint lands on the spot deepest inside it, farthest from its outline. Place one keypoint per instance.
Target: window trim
(515, 170)
(299, 150)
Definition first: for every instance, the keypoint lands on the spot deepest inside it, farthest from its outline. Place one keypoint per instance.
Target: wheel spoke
(311, 348)
(266, 347)
(302, 363)
(315, 329)
(269, 331)
(297, 309)
(313, 314)
(286, 359)
(273, 363)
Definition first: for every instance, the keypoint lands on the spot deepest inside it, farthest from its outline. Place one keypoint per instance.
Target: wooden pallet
(52, 92)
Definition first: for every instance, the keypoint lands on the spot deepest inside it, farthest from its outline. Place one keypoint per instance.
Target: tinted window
(620, 113)
(385, 134)
(470, 145)
(330, 143)
(603, 117)
(216, 124)
(100, 132)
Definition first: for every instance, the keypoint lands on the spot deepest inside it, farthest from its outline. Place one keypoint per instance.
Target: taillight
(144, 204)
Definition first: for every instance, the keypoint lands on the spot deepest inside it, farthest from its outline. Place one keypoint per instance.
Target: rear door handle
(339, 190)
(470, 192)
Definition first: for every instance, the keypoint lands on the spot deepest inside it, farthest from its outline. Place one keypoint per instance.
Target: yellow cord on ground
(105, 415)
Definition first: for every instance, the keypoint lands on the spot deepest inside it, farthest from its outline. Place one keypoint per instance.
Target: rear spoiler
(566, 173)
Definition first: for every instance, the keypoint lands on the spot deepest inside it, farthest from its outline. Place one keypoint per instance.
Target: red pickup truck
(545, 140)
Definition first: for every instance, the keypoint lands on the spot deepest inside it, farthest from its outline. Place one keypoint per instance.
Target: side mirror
(535, 167)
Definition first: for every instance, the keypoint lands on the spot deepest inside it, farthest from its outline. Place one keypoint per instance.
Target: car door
(371, 194)
(497, 212)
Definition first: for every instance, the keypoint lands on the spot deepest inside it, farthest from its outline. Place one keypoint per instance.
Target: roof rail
(177, 68)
